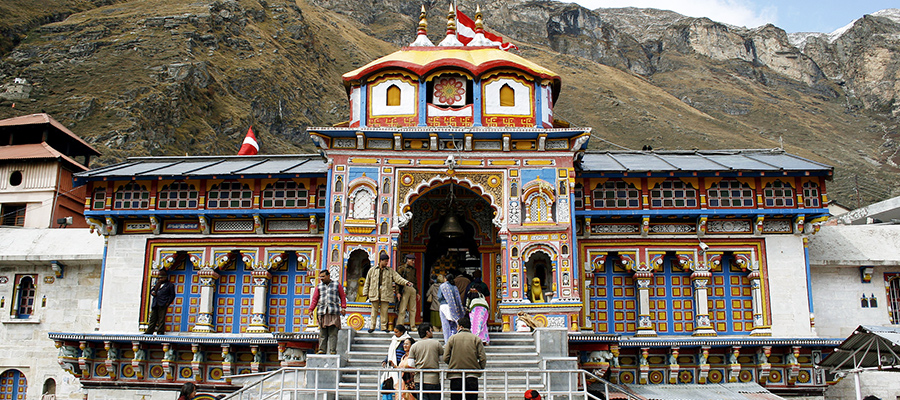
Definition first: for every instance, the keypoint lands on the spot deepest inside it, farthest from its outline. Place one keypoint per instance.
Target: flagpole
(456, 19)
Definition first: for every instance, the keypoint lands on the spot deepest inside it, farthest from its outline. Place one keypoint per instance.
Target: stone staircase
(508, 351)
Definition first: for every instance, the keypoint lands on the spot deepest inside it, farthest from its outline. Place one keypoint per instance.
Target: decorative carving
(727, 226)
(562, 211)
(514, 212)
(673, 228)
(777, 226)
(614, 228)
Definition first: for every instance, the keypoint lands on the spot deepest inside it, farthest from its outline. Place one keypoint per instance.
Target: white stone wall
(882, 384)
(121, 394)
(787, 286)
(71, 306)
(125, 258)
(837, 291)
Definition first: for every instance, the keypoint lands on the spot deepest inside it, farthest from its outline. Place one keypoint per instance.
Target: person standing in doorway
(450, 305)
(464, 351)
(332, 304)
(425, 354)
(432, 298)
(163, 292)
(410, 297)
(379, 288)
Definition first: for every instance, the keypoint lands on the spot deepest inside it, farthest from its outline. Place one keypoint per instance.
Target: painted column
(261, 278)
(643, 277)
(476, 106)
(208, 278)
(700, 279)
(748, 261)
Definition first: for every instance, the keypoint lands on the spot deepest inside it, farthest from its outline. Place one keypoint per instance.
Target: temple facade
(680, 267)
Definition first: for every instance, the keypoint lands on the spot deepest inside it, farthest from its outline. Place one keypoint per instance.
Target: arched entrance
(539, 266)
(13, 384)
(472, 250)
(358, 265)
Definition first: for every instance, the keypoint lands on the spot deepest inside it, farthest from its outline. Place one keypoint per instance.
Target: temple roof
(476, 60)
(699, 160)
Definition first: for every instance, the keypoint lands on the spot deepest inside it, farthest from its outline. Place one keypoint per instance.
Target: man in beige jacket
(379, 288)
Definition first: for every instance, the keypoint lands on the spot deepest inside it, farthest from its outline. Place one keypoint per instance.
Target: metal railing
(354, 383)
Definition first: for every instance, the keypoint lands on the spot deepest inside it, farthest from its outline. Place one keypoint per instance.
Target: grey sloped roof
(698, 160)
(869, 347)
(210, 166)
(711, 391)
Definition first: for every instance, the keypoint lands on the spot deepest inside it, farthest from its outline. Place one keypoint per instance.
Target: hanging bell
(451, 229)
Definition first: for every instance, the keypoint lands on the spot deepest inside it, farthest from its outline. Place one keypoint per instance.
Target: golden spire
(423, 22)
(479, 23)
(451, 21)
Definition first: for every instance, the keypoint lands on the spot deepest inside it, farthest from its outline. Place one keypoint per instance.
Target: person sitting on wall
(163, 292)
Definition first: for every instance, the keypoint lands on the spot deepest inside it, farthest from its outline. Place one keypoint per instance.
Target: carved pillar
(84, 359)
(111, 358)
(645, 325)
(748, 261)
(734, 365)
(168, 358)
(700, 280)
(793, 362)
(196, 361)
(227, 359)
(643, 365)
(762, 361)
(138, 360)
(261, 277)
(703, 373)
(673, 366)
(257, 358)
(208, 278)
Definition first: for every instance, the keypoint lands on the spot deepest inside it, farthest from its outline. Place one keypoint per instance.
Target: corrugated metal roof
(211, 166)
(34, 151)
(869, 347)
(724, 391)
(698, 160)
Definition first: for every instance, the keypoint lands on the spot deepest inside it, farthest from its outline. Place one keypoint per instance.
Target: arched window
(384, 228)
(386, 187)
(285, 194)
(393, 95)
(616, 194)
(132, 197)
(893, 280)
(336, 228)
(562, 188)
(579, 195)
(673, 193)
(513, 190)
(811, 195)
(49, 386)
(730, 193)
(778, 194)
(24, 295)
(362, 203)
(539, 208)
(177, 195)
(339, 184)
(229, 194)
(13, 384)
(337, 206)
(385, 207)
(98, 199)
(335, 255)
(507, 96)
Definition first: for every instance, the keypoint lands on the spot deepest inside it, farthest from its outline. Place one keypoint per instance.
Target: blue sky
(791, 15)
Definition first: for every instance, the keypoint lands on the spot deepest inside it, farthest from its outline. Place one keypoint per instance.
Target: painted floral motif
(449, 91)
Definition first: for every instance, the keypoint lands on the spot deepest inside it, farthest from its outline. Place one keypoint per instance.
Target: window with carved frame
(362, 203)
(811, 197)
(616, 194)
(321, 196)
(177, 195)
(132, 196)
(730, 193)
(579, 195)
(98, 199)
(892, 284)
(24, 296)
(778, 194)
(673, 193)
(285, 194)
(229, 194)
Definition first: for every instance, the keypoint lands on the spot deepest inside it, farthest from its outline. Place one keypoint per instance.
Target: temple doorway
(357, 267)
(538, 266)
(451, 231)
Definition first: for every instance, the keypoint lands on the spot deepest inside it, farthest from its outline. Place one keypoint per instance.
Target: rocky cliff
(159, 77)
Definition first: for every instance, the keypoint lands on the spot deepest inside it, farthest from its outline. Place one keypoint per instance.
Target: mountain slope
(173, 77)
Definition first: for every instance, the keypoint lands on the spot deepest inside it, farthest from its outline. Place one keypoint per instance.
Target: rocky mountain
(138, 77)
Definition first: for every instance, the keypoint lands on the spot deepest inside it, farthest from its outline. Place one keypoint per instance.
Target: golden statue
(360, 296)
(536, 292)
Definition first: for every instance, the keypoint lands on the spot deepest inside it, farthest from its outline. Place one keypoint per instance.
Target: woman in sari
(451, 306)
(406, 385)
(479, 311)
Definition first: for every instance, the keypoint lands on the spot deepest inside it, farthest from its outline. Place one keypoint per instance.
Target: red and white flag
(250, 146)
(465, 32)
